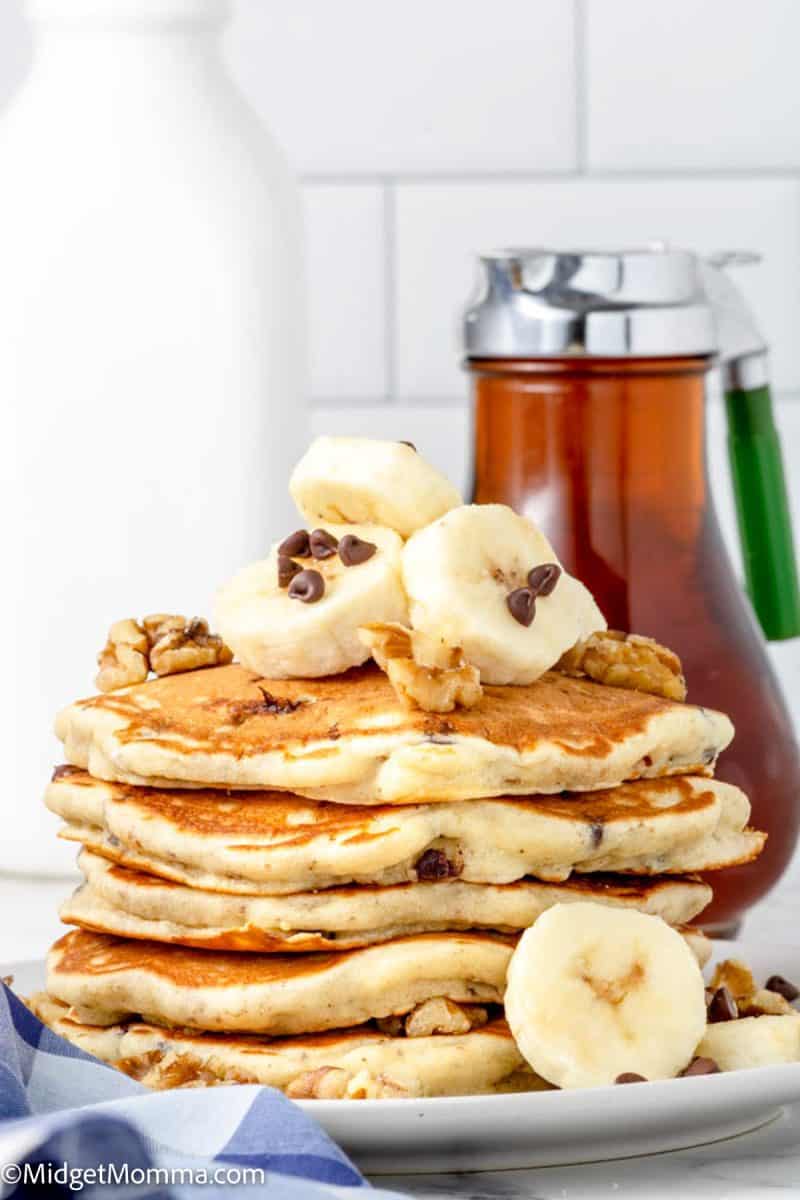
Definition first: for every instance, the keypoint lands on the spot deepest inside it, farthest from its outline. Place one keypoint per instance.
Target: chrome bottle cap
(535, 303)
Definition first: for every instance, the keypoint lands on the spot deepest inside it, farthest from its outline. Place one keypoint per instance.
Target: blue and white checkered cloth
(60, 1106)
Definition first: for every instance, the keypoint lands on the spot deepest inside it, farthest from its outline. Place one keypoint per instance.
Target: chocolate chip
(542, 579)
(434, 864)
(699, 1066)
(722, 1007)
(308, 586)
(630, 1077)
(287, 569)
(353, 550)
(410, 445)
(322, 543)
(776, 983)
(296, 544)
(597, 832)
(522, 605)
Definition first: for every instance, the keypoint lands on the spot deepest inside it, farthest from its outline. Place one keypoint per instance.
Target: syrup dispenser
(589, 374)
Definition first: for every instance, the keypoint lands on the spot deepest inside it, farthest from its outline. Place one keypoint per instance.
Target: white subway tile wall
(450, 85)
(692, 86)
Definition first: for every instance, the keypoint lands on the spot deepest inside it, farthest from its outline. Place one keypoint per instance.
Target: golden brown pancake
(349, 738)
(268, 842)
(106, 980)
(371, 1063)
(127, 903)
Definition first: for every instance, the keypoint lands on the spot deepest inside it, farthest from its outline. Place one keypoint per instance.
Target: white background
(425, 130)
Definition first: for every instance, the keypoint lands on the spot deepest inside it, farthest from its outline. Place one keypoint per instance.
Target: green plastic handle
(762, 509)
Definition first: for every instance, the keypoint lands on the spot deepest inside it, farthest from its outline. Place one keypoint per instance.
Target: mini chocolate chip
(597, 832)
(542, 579)
(522, 605)
(434, 864)
(722, 1007)
(353, 550)
(630, 1077)
(308, 586)
(699, 1066)
(287, 569)
(776, 983)
(410, 445)
(296, 544)
(322, 543)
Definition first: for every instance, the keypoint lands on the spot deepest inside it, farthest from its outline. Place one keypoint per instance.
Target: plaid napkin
(63, 1111)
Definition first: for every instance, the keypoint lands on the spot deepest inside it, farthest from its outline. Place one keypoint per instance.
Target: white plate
(537, 1129)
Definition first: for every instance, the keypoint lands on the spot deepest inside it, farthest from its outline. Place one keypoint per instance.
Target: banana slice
(753, 1042)
(362, 480)
(297, 614)
(596, 992)
(486, 579)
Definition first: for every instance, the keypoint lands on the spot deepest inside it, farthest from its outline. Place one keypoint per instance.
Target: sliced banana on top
(297, 613)
(486, 579)
(364, 481)
(596, 992)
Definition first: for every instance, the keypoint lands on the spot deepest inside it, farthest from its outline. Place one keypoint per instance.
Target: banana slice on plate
(596, 992)
(362, 480)
(753, 1041)
(297, 613)
(486, 579)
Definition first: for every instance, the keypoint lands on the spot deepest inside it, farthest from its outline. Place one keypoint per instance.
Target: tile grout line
(579, 16)
(520, 176)
(389, 286)
(322, 403)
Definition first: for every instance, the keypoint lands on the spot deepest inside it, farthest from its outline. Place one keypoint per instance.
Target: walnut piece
(323, 1083)
(627, 660)
(334, 1083)
(123, 660)
(177, 645)
(440, 1015)
(751, 1000)
(175, 1069)
(424, 672)
(164, 643)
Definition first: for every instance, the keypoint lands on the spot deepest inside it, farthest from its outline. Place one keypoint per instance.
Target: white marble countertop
(758, 1166)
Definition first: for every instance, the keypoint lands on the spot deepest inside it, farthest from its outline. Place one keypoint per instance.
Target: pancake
(349, 739)
(131, 904)
(252, 843)
(481, 1061)
(107, 980)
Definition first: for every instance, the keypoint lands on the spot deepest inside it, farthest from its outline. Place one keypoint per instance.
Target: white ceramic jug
(151, 355)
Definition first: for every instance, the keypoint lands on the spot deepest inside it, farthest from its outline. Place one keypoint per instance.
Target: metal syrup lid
(538, 303)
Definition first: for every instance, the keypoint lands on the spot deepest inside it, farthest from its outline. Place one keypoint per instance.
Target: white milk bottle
(151, 355)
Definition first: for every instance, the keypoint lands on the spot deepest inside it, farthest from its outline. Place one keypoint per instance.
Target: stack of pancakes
(307, 884)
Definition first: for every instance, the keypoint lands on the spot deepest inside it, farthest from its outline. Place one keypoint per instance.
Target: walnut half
(424, 673)
(163, 643)
(180, 645)
(627, 660)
